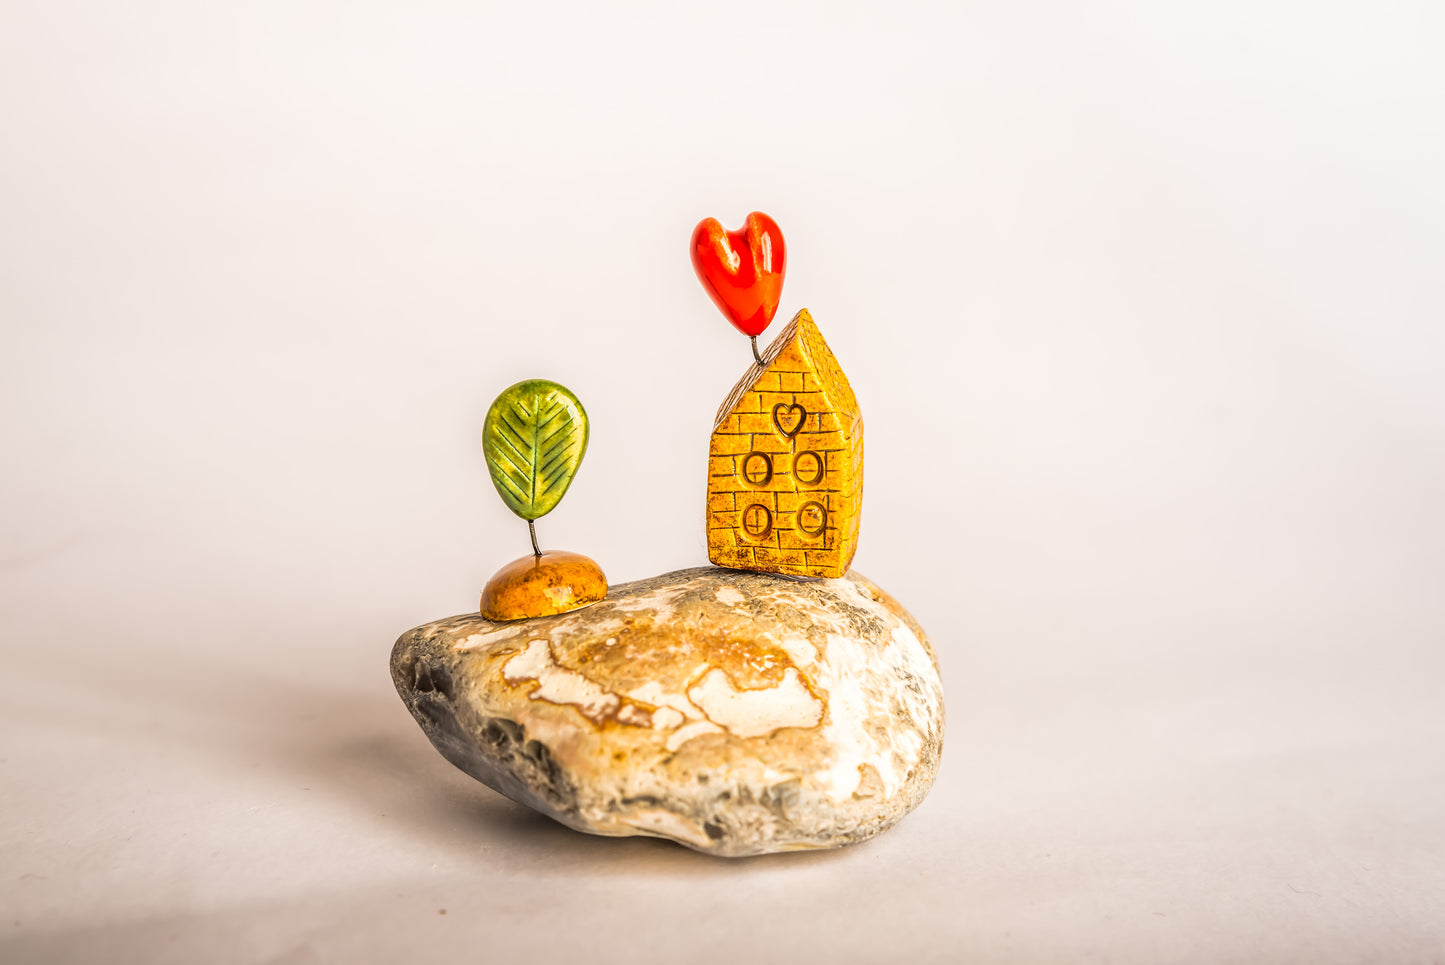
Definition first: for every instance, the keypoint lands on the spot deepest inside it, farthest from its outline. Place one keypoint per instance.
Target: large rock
(734, 712)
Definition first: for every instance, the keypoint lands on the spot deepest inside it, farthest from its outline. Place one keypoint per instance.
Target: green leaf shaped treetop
(534, 439)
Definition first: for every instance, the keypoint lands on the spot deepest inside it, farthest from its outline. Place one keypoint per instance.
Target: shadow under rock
(403, 780)
(359, 748)
(363, 750)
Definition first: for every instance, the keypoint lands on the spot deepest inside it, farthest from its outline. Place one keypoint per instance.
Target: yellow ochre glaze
(539, 586)
(785, 467)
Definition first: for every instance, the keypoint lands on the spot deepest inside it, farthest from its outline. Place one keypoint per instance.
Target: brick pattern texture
(785, 466)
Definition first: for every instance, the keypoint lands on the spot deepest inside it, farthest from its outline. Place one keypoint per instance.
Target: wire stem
(756, 357)
(532, 529)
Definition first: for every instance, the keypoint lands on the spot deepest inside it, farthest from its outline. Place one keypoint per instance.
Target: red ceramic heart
(742, 270)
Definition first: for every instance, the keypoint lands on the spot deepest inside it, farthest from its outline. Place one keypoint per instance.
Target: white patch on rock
(559, 685)
(672, 710)
(659, 599)
(908, 659)
(857, 699)
(729, 595)
(849, 708)
(910, 667)
(753, 713)
(665, 718)
(799, 650)
(652, 693)
(475, 641)
(667, 824)
(695, 729)
(634, 715)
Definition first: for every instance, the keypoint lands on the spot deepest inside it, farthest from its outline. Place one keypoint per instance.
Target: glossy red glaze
(742, 270)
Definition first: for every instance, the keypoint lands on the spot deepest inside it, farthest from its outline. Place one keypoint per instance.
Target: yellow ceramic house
(785, 477)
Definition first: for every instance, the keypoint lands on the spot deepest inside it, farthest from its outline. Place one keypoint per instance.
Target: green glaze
(534, 439)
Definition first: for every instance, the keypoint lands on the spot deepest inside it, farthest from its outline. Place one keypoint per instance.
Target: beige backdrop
(1143, 305)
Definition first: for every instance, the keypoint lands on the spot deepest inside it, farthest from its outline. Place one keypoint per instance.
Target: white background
(1144, 306)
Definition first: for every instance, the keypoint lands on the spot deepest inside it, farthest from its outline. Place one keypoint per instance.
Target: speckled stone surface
(734, 712)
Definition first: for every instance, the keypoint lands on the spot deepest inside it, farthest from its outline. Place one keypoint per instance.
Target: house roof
(798, 347)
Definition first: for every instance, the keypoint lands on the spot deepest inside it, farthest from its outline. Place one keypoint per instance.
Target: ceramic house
(785, 477)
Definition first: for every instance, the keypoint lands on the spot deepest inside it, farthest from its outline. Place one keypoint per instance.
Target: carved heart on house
(789, 418)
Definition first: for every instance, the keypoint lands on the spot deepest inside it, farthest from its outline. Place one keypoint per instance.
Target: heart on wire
(742, 270)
